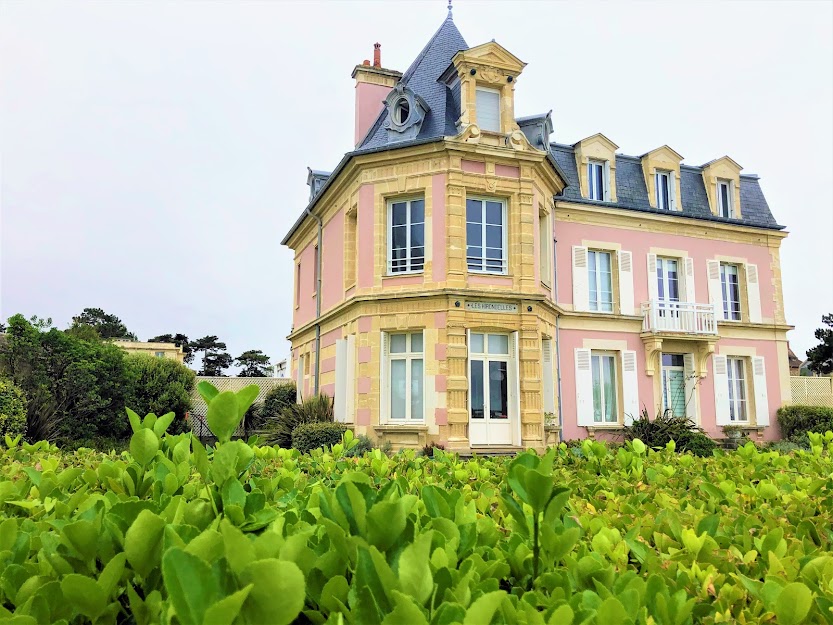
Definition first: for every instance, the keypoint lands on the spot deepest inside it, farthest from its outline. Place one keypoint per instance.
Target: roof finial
(450, 16)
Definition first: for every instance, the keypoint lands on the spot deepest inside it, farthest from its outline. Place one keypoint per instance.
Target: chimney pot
(377, 55)
(366, 63)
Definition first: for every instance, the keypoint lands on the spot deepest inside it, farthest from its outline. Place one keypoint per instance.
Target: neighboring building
(795, 362)
(280, 369)
(459, 275)
(159, 350)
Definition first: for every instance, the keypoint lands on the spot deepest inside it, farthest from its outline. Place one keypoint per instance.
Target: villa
(466, 277)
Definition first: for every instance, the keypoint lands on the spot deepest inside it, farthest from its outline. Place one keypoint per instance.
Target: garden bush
(363, 445)
(278, 431)
(160, 385)
(796, 421)
(12, 410)
(666, 427)
(277, 399)
(309, 436)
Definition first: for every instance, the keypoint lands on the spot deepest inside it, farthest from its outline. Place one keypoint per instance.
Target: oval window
(401, 111)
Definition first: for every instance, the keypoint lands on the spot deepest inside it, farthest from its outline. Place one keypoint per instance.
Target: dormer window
(725, 208)
(401, 111)
(665, 190)
(488, 109)
(597, 182)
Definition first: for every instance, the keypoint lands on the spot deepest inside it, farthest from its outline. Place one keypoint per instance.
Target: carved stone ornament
(406, 112)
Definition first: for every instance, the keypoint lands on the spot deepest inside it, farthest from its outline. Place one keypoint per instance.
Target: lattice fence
(199, 408)
(811, 391)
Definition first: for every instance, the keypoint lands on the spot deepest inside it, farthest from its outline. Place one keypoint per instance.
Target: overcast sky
(154, 153)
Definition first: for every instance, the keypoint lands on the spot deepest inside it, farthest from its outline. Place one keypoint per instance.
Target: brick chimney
(373, 83)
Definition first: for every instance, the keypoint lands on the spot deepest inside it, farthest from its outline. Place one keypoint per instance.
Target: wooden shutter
(753, 294)
(515, 386)
(759, 389)
(715, 288)
(690, 386)
(625, 283)
(630, 386)
(689, 279)
(584, 388)
(384, 379)
(350, 383)
(607, 194)
(547, 372)
(581, 287)
(720, 376)
(339, 399)
(672, 191)
(652, 277)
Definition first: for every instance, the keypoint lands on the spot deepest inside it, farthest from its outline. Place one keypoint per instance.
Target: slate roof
(422, 77)
(632, 193)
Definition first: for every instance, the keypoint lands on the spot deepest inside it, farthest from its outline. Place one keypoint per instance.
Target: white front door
(492, 410)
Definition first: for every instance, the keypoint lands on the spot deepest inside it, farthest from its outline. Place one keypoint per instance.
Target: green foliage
(254, 363)
(797, 421)
(12, 409)
(277, 399)
(309, 436)
(428, 450)
(666, 427)
(107, 326)
(215, 359)
(160, 385)
(364, 444)
(821, 356)
(313, 410)
(697, 443)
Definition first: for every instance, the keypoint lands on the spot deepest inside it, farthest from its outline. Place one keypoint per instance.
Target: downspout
(317, 300)
(557, 326)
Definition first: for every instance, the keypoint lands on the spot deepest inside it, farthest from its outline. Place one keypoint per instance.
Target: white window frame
(408, 356)
(480, 117)
(504, 231)
(486, 357)
(409, 260)
(594, 166)
(595, 306)
(724, 293)
(738, 386)
(617, 413)
(730, 193)
(666, 382)
(669, 181)
(545, 248)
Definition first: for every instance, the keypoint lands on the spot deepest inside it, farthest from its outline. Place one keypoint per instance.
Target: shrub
(278, 431)
(12, 409)
(428, 450)
(665, 427)
(364, 445)
(160, 385)
(697, 443)
(277, 399)
(309, 436)
(796, 421)
(784, 447)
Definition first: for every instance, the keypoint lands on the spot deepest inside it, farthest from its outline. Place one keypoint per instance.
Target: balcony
(662, 317)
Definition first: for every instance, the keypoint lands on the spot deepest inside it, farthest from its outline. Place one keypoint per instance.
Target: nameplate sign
(492, 307)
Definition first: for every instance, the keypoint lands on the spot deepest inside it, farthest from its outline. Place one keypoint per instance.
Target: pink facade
(369, 98)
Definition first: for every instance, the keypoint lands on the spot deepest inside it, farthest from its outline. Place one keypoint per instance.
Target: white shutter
(630, 386)
(384, 380)
(350, 383)
(339, 401)
(720, 377)
(690, 386)
(652, 276)
(625, 283)
(689, 279)
(581, 287)
(607, 194)
(548, 385)
(715, 288)
(584, 388)
(515, 387)
(759, 388)
(488, 109)
(753, 294)
(672, 190)
(299, 380)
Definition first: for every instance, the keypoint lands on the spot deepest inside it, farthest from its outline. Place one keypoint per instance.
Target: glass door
(673, 384)
(668, 293)
(490, 422)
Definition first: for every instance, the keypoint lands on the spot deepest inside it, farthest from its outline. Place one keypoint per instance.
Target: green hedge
(796, 421)
(309, 436)
(12, 409)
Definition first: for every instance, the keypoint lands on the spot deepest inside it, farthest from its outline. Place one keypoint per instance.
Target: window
(597, 180)
(730, 287)
(737, 390)
(160, 354)
(544, 250)
(603, 366)
(401, 111)
(405, 373)
(600, 277)
(663, 184)
(488, 109)
(406, 236)
(724, 199)
(668, 280)
(489, 362)
(486, 235)
(673, 384)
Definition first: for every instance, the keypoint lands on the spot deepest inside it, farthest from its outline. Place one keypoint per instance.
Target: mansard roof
(632, 194)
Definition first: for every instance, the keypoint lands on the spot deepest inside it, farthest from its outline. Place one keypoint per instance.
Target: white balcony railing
(683, 317)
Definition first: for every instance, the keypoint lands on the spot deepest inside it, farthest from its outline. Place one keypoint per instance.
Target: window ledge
(402, 274)
(409, 427)
(605, 426)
